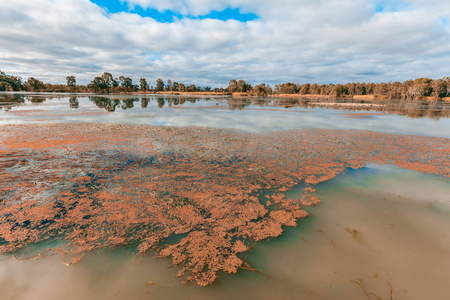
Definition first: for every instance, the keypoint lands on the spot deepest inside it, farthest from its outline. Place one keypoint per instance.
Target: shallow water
(360, 232)
(249, 114)
(377, 227)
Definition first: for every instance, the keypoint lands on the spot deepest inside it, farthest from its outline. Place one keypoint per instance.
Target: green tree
(192, 88)
(143, 84)
(126, 83)
(71, 83)
(103, 83)
(159, 85)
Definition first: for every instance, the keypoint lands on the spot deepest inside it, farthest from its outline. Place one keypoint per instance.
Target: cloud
(299, 41)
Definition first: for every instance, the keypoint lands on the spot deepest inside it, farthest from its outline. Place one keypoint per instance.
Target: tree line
(107, 83)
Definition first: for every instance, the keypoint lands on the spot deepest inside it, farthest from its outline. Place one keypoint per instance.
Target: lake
(110, 175)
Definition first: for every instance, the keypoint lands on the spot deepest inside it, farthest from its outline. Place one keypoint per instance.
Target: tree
(143, 84)
(109, 80)
(34, 84)
(192, 88)
(232, 86)
(126, 83)
(420, 87)
(314, 89)
(381, 89)
(181, 87)
(360, 88)
(286, 88)
(395, 90)
(97, 85)
(262, 90)
(159, 85)
(304, 89)
(243, 87)
(439, 88)
(103, 83)
(71, 81)
(9, 82)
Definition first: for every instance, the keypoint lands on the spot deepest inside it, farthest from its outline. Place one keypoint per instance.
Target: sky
(210, 42)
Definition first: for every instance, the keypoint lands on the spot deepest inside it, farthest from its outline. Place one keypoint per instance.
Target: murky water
(361, 232)
(378, 228)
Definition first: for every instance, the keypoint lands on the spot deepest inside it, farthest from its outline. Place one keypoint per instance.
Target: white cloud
(298, 41)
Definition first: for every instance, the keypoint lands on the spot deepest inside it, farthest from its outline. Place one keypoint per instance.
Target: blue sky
(210, 42)
(116, 6)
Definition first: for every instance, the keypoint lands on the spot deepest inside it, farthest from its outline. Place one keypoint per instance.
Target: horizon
(208, 44)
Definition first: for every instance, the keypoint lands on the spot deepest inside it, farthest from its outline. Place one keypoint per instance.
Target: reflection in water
(410, 108)
(360, 236)
(35, 99)
(7, 101)
(129, 103)
(74, 103)
(160, 102)
(144, 102)
(105, 103)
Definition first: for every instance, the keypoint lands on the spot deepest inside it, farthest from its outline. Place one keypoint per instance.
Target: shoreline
(246, 95)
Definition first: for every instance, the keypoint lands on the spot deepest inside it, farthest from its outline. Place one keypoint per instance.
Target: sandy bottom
(375, 227)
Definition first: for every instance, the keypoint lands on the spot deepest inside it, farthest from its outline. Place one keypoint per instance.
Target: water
(402, 239)
(378, 226)
(249, 114)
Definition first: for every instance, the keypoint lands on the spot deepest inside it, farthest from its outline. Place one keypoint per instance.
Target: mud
(191, 194)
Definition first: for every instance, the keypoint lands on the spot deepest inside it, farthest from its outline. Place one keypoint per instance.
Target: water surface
(377, 227)
(251, 114)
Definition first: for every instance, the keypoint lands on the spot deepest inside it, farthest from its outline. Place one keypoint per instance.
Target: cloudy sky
(210, 42)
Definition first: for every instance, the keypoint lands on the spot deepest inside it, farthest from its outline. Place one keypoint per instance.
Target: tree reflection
(128, 103)
(105, 103)
(144, 102)
(7, 101)
(160, 102)
(434, 109)
(74, 103)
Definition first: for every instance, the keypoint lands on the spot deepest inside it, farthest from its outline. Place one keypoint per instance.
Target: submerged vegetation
(202, 197)
(420, 88)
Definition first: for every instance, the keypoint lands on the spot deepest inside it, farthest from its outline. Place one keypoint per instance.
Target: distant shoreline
(354, 97)
(176, 93)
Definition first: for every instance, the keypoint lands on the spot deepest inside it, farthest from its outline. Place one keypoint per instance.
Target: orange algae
(191, 194)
